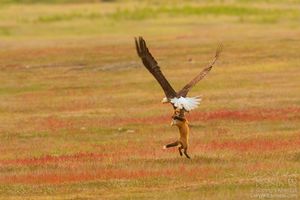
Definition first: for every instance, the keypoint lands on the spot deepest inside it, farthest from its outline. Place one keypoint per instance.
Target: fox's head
(178, 121)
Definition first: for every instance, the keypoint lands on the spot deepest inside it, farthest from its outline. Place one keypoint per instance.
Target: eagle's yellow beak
(165, 100)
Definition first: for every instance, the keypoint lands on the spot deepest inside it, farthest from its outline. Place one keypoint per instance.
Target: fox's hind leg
(185, 153)
(179, 149)
(174, 144)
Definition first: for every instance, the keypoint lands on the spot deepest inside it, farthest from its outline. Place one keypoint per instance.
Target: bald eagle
(179, 99)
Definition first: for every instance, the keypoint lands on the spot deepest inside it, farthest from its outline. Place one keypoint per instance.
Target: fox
(184, 130)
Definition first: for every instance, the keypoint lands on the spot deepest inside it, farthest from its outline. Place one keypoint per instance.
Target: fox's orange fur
(184, 130)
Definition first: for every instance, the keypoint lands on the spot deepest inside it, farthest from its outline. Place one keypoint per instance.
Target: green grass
(214, 10)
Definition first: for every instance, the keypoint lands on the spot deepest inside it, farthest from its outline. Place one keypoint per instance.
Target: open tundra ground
(81, 119)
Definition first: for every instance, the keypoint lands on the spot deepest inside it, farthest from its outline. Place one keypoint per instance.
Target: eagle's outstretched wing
(152, 66)
(183, 92)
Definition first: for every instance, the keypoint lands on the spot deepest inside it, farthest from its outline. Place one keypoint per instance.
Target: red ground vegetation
(251, 145)
(53, 159)
(108, 152)
(54, 123)
(242, 115)
(119, 154)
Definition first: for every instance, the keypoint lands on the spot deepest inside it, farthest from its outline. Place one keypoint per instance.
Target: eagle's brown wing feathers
(152, 66)
(183, 92)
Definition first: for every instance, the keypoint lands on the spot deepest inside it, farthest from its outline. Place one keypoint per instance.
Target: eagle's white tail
(188, 103)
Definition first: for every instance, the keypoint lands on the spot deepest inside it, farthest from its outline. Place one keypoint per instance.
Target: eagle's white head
(165, 100)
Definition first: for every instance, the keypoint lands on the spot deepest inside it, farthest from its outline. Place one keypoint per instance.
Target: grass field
(80, 117)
